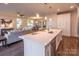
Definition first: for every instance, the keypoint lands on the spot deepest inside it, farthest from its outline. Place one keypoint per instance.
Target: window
(30, 23)
(18, 22)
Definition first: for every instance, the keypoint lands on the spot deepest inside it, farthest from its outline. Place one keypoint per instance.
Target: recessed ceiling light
(37, 15)
(71, 6)
(58, 10)
(45, 18)
(50, 7)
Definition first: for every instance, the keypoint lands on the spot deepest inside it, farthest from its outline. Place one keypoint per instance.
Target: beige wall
(78, 21)
(13, 18)
(9, 18)
(24, 22)
(54, 19)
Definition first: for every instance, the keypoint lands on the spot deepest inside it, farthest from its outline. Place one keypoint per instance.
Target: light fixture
(37, 15)
(71, 6)
(11, 25)
(50, 19)
(2, 25)
(36, 22)
(19, 14)
(45, 3)
(45, 17)
(50, 7)
(58, 10)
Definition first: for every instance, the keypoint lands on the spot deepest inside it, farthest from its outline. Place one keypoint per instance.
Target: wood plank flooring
(69, 46)
(15, 49)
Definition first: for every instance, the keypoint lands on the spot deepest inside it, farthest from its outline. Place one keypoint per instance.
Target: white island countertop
(39, 43)
(42, 37)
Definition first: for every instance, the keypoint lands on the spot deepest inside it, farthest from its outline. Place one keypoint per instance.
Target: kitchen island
(42, 43)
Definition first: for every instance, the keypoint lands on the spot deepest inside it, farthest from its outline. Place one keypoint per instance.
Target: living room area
(45, 29)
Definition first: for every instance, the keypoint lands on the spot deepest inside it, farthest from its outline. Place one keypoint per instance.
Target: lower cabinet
(50, 49)
(58, 39)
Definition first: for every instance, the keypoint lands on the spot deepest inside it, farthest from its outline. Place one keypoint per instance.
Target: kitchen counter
(35, 43)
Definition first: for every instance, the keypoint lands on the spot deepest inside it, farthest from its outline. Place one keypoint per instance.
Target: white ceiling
(30, 9)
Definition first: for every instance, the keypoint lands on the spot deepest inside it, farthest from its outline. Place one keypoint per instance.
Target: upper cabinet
(63, 22)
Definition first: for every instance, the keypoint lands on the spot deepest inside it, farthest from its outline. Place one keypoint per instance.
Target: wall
(12, 17)
(74, 23)
(24, 22)
(78, 21)
(54, 19)
(7, 17)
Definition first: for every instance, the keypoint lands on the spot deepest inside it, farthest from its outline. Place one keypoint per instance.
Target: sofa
(13, 36)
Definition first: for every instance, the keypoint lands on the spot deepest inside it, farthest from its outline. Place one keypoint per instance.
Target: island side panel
(50, 49)
(32, 48)
(58, 39)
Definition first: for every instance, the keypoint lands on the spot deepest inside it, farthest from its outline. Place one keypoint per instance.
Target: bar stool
(3, 40)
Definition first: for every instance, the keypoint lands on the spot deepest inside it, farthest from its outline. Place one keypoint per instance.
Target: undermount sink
(34, 33)
(50, 32)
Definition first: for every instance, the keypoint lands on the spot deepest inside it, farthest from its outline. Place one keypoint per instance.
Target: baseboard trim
(71, 36)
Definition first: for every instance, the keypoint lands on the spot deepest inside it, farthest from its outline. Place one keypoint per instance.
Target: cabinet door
(58, 40)
(50, 49)
(53, 47)
(63, 23)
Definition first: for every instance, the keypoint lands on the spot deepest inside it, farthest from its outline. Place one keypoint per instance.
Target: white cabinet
(63, 22)
(58, 39)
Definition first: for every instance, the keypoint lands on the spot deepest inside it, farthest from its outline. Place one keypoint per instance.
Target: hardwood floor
(69, 46)
(15, 49)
